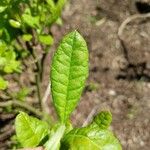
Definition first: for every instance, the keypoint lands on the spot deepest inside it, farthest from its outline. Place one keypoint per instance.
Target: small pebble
(142, 143)
(112, 92)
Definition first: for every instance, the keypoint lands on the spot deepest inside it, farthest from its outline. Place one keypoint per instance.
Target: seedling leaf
(68, 74)
(30, 131)
(90, 138)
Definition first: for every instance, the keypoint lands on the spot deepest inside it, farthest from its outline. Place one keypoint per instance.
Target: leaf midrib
(66, 103)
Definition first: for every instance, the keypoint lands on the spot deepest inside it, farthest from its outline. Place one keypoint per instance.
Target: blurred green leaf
(32, 21)
(3, 84)
(14, 23)
(27, 37)
(12, 66)
(22, 94)
(3, 47)
(11, 63)
(59, 21)
(2, 8)
(46, 39)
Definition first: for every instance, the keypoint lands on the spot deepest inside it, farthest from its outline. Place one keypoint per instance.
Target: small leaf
(30, 131)
(54, 142)
(59, 21)
(2, 8)
(50, 3)
(68, 74)
(103, 119)
(27, 37)
(90, 138)
(32, 21)
(14, 23)
(3, 84)
(3, 61)
(22, 94)
(12, 66)
(46, 39)
(3, 47)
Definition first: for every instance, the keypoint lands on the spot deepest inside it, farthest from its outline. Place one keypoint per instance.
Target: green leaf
(3, 61)
(32, 21)
(55, 10)
(22, 94)
(50, 3)
(103, 119)
(54, 142)
(27, 37)
(68, 74)
(3, 47)
(14, 23)
(46, 39)
(12, 66)
(2, 8)
(30, 131)
(3, 84)
(59, 21)
(90, 138)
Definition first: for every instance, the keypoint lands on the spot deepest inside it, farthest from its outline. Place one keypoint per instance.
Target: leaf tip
(103, 119)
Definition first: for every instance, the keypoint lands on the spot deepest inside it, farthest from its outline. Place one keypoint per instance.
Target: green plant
(69, 71)
(25, 32)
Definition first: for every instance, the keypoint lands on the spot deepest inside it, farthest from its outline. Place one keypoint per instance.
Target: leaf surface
(103, 119)
(68, 74)
(14, 23)
(27, 37)
(90, 138)
(30, 131)
(46, 39)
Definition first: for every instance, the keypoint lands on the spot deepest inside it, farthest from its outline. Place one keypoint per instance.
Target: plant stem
(22, 105)
(38, 76)
(38, 89)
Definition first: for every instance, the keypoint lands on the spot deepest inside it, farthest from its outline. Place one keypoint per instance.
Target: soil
(119, 76)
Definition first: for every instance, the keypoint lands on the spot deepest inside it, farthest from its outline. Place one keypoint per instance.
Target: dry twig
(130, 19)
(90, 116)
(44, 99)
(22, 105)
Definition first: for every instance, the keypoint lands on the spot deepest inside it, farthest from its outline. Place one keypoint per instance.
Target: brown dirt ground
(120, 78)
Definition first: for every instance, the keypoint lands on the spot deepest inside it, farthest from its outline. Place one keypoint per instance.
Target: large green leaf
(30, 131)
(68, 74)
(90, 138)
